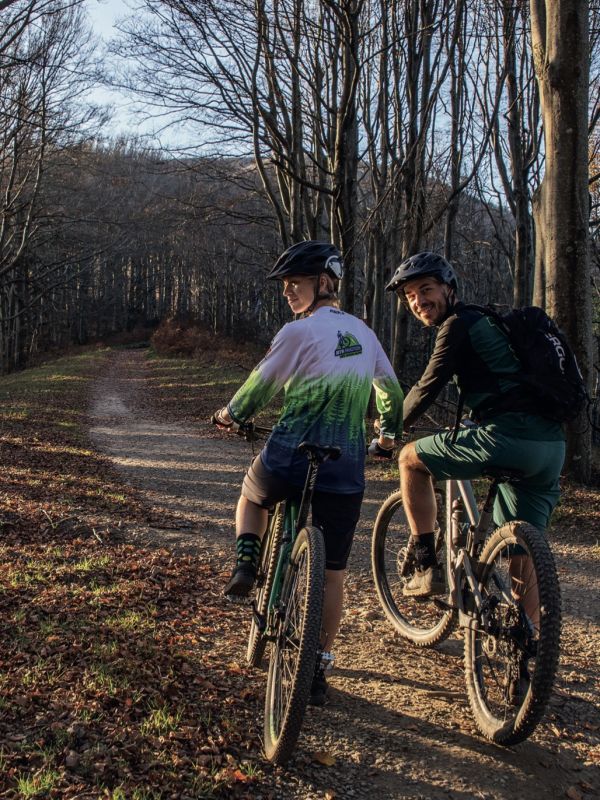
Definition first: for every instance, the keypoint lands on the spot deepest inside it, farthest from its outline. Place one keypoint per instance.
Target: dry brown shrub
(188, 338)
(176, 337)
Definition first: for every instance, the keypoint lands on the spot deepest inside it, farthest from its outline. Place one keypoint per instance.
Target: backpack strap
(461, 398)
(499, 401)
(459, 412)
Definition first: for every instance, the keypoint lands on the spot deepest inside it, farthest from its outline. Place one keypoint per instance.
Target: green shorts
(532, 498)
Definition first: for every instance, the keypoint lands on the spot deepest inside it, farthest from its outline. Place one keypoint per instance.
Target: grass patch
(134, 621)
(160, 722)
(40, 783)
(137, 794)
(92, 563)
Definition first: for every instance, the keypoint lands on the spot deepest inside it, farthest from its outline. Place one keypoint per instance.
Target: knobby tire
(293, 654)
(420, 621)
(269, 554)
(508, 700)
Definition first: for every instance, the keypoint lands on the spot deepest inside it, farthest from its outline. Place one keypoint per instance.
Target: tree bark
(560, 38)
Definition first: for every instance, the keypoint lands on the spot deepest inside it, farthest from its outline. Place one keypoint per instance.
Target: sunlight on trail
(191, 483)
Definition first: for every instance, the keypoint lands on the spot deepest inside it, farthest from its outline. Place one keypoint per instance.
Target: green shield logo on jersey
(348, 345)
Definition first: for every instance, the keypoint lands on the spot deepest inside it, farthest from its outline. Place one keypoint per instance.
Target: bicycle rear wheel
(294, 653)
(269, 553)
(421, 621)
(510, 665)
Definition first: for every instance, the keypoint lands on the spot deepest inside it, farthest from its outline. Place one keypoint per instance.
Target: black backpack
(550, 375)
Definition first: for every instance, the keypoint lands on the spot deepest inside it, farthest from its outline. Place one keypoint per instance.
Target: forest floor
(122, 671)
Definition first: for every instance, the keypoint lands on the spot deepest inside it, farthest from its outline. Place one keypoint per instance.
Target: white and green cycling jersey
(326, 363)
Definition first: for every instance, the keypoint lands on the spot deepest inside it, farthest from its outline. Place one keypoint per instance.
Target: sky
(103, 15)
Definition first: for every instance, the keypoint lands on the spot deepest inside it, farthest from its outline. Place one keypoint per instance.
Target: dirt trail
(188, 480)
(397, 724)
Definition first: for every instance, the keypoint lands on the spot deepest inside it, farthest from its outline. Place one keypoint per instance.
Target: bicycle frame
(461, 548)
(296, 515)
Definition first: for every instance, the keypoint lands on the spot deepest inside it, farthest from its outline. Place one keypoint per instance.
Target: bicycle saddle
(502, 474)
(319, 451)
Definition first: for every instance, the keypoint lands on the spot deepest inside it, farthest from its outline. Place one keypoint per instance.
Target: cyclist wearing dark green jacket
(471, 351)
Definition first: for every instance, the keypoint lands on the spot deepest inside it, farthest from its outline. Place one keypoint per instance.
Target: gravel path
(397, 724)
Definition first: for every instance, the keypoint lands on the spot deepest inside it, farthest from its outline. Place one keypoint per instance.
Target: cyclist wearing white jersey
(326, 363)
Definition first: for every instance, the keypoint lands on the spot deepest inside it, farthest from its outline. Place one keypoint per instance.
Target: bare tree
(280, 78)
(516, 134)
(40, 87)
(560, 40)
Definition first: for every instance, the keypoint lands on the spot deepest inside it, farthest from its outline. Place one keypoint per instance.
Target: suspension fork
(273, 609)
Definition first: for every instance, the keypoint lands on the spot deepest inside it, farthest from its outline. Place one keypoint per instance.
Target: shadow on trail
(437, 754)
(398, 725)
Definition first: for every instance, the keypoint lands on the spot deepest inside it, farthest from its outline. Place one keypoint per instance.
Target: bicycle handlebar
(427, 430)
(247, 430)
(252, 432)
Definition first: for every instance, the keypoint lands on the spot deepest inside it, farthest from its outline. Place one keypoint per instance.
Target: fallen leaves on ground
(113, 680)
(325, 759)
(106, 677)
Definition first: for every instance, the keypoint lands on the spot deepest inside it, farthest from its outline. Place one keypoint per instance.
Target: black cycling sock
(248, 549)
(425, 550)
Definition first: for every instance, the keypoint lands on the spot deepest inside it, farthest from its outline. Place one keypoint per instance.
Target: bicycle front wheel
(269, 554)
(511, 656)
(294, 653)
(421, 621)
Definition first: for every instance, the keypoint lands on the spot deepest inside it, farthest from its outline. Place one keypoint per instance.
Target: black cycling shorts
(335, 514)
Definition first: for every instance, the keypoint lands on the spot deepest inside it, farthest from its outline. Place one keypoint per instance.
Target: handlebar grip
(229, 426)
(375, 449)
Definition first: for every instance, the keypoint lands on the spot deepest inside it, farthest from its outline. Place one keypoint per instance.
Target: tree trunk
(345, 155)
(560, 36)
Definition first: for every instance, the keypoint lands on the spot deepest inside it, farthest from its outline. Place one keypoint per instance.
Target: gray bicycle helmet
(308, 258)
(422, 265)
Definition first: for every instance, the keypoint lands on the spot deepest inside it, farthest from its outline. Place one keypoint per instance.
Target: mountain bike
(502, 590)
(287, 606)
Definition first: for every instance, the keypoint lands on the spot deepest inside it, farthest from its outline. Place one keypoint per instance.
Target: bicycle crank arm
(443, 605)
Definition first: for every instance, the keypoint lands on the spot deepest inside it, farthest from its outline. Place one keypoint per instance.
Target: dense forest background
(386, 127)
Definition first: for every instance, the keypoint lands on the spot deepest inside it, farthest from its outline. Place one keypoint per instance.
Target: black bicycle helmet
(308, 258)
(423, 265)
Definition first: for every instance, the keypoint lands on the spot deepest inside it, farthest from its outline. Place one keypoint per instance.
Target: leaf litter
(122, 672)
